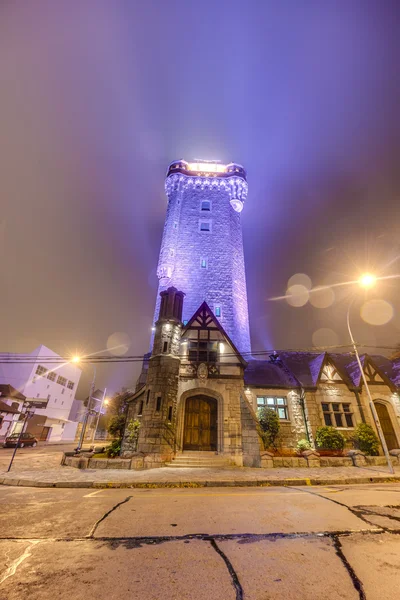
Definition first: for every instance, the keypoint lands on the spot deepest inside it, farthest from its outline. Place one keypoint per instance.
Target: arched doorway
(386, 424)
(200, 430)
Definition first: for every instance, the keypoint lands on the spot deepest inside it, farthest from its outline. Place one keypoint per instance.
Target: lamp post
(104, 401)
(77, 360)
(367, 280)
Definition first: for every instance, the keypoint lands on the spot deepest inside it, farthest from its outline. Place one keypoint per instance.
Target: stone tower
(202, 248)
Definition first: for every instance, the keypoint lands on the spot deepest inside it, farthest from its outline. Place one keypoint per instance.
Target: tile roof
(264, 373)
(295, 369)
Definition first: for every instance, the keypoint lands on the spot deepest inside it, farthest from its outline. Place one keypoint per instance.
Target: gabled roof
(204, 318)
(7, 408)
(304, 366)
(264, 373)
(8, 391)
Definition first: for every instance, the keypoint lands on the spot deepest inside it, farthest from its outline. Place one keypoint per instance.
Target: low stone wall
(268, 460)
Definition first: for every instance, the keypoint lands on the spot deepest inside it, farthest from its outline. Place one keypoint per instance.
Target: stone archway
(200, 424)
(386, 424)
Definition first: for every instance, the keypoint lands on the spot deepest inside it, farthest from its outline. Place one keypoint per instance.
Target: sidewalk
(195, 477)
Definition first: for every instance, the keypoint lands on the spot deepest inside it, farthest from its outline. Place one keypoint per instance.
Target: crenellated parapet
(208, 175)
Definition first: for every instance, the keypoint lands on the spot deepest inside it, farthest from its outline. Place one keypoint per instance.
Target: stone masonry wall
(222, 283)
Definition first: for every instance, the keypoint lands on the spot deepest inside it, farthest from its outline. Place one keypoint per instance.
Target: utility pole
(86, 417)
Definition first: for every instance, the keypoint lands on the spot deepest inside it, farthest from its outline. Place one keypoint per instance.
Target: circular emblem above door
(202, 371)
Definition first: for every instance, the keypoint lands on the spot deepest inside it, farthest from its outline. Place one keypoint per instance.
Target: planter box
(323, 452)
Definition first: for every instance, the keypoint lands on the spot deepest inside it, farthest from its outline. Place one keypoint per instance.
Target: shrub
(116, 426)
(365, 439)
(303, 445)
(114, 448)
(269, 423)
(132, 432)
(329, 438)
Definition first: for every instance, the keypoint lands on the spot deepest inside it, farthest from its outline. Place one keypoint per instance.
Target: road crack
(235, 579)
(11, 570)
(95, 526)
(356, 581)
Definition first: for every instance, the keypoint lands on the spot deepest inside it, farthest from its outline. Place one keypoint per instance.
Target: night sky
(97, 97)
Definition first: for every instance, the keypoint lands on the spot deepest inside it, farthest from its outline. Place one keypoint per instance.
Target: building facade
(42, 375)
(200, 388)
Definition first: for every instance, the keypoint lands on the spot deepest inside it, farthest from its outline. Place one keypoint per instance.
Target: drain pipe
(302, 402)
(360, 408)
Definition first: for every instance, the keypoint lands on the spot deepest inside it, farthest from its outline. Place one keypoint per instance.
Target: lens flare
(367, 280)
(118, 343)
(297, 295)
(376, 312)
(325, 337)
(322, 298)
(300, 279)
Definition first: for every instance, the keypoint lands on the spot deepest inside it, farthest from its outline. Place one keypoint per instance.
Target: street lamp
(104, 401)
(77, 360)
(367, 280)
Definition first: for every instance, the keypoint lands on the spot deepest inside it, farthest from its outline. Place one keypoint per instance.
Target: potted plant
(329, 441)
(302, 446)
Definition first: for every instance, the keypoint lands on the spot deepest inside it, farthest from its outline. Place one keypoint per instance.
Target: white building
(43, 374)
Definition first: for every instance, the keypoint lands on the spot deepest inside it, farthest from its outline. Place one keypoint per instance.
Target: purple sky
(97, 97)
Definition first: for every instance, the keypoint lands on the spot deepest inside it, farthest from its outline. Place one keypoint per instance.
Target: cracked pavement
(336, 542)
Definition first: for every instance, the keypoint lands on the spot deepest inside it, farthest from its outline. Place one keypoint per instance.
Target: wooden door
(44, 434)
(200, 431)
(386, 424)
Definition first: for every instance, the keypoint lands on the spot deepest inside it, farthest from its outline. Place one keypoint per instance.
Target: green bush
(365, 439)
(269, 423)
(114, 448)
(303, 445)
(116, 426)
(329, 438)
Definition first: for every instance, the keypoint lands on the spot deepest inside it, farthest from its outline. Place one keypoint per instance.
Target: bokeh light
(300, 279)
(322, 298)
(118, 343)
(297, 295)
(376, 312)
(325, 337)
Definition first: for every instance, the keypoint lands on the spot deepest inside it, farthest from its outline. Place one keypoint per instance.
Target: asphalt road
(339, 542)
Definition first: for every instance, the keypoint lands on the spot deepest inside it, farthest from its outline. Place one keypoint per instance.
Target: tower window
(140, 409)
(171, 252)
(205, 225)
(170, 413)
(206, 205)
(158, 404)
(148, 396)
(175, 225)
(204, 263)
(217, 311)
(165, 347)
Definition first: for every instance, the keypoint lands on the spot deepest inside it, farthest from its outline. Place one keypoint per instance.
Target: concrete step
(200, 460)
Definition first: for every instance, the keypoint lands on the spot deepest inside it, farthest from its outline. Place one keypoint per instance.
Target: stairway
(189, 459)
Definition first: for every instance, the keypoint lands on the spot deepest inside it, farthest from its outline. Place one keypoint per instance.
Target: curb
(197, 484)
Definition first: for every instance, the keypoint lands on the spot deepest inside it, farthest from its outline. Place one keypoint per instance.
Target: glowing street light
(367, 280)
